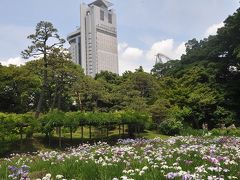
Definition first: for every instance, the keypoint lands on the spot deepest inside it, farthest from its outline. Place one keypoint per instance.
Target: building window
(110, 18)
(102, 15)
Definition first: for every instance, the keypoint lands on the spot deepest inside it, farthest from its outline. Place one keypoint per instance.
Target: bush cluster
(170, 127)
(17, 124)
(26, 123)
(225, 132)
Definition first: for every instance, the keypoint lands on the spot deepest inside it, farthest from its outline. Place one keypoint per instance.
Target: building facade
(94, 44)
(74, 40)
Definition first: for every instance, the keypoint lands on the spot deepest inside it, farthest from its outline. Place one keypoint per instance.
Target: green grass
(39, 142)
(151, 135)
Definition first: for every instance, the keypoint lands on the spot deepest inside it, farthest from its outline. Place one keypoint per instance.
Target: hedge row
(17, 124)
(73, 119)
(27, 124)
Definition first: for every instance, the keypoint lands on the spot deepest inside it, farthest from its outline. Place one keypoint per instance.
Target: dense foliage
(20, 124)
(202, 87)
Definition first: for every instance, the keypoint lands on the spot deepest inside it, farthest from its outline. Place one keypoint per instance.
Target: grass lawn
(39, 142)
(151, 135)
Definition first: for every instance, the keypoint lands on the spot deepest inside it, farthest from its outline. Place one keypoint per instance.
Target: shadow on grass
(67, 142)
(9, 147)
(40, 142)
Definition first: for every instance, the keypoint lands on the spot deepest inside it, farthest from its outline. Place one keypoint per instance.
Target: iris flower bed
(183, 158)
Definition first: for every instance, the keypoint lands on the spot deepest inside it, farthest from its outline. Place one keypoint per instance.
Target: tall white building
(94, 44)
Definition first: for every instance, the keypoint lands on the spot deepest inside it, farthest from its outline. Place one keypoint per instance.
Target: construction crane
(161, 58)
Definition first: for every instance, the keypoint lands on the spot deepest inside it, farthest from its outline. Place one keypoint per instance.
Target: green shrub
(170, 127)
(225, 132)
(234, 132)
(187, 131)
(224, 116)
(219, 132)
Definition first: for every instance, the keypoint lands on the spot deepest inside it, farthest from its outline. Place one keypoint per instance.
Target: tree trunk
(196, 123)
(59, 101)
(44, 87)
(90, 132)
(82, 131)
(54, 99)
(123, 129)
(71, 133)
(21, 137)
(49, 139)
(79, 101)
(60, 91)
(101, 134)
(138, 129)
(119, 129)
(60, 138)
(130, 131)
(39, 106)
(107, 131)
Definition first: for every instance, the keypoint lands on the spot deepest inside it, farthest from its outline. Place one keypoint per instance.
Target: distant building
(94, 44)
(74, 40)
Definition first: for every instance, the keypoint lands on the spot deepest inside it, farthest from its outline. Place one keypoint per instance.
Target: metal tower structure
(160, 58)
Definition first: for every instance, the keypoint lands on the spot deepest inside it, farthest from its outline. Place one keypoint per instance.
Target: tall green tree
(63, 75)
(42, 45)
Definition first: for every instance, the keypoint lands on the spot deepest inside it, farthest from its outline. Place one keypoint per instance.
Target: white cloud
(132, 53)
(14, 61)
(130, 58)
(212, 30)
(166, 47)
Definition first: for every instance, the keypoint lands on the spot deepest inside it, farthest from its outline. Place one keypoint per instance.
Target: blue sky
(145, 27)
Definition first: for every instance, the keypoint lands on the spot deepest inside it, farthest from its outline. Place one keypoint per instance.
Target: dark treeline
(202, 87)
